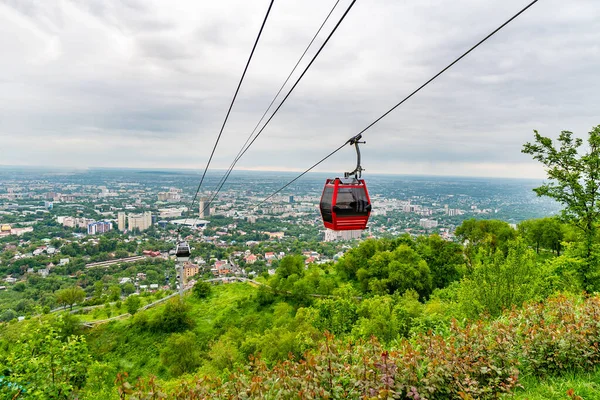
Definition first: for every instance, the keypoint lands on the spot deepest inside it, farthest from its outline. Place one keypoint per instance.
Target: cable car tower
(182, 254)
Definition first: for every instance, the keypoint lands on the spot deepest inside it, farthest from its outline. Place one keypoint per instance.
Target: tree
(8, 315)
(574, 181)
(493, 233)
(290, 265)
(201, 289)
(545, 232)
(49, 365)
(172, 318)
(70, 296)
(133, 303)
(498, 282)
(445, 259)
(115, 293)
(181, 353)
(98, 289)
(128, 288)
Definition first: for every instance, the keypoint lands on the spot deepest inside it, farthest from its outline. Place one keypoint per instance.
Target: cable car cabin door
(345, 204)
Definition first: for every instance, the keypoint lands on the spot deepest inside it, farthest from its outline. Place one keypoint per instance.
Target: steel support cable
(229, 110)
(284, 99)
(403, 100)
(237, 157)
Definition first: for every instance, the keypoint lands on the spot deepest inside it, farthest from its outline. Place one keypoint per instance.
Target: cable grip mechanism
(357, 172)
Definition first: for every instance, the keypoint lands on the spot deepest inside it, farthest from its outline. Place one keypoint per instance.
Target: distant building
(122, 221)
(139, 221)
(332, 236)
(170, 212)
(73, 222)
(190, 270)
(198, 223)
(162, 196)
(172, 196)
(204, 207)
(428, 223)
(162, 224)
(99, 227)
(291, 199)
(275, 235)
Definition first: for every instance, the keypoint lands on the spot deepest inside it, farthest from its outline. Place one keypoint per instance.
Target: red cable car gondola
(345, 203)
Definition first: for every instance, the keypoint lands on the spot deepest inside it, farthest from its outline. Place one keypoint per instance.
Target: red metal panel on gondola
(345, 204)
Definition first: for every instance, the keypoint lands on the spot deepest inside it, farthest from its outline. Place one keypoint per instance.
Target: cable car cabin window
(325, 205)
(351, 202)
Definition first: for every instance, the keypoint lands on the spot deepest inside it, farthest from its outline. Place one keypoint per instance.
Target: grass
(585, 385)
(121, 343)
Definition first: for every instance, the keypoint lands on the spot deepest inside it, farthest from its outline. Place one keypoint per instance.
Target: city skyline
(147, 85)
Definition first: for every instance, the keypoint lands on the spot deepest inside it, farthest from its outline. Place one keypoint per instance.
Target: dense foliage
(479, 361)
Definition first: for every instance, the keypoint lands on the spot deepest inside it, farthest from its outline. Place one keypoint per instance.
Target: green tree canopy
(70, 296)
(201, 289)
(133, 303)
(574, 179)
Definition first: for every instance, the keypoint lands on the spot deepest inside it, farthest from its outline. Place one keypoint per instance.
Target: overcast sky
(139, 83)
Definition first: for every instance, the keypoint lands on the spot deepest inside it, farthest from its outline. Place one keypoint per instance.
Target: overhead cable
(404, 99)
(230, 107)
(219, 185)
(282, 102)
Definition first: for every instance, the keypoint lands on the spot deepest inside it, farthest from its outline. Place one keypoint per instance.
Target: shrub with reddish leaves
(480, 361)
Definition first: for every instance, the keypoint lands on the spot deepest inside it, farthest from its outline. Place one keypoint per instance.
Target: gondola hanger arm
(357, 172)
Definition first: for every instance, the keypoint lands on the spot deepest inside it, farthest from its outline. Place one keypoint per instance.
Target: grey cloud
(148, 75)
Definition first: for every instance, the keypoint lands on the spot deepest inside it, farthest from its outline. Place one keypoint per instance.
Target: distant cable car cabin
(345, 202)
(182, 253)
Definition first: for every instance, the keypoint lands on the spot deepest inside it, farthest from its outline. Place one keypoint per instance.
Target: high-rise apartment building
(99, 227)
(121, 221)
(173, 195)
(139, 221)
(204, 207)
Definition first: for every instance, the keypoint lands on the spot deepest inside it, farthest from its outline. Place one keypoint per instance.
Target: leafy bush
(181, 354)
(172, 318)
(45, 365)
(133, 303)
(482, 360)
(201, 289)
